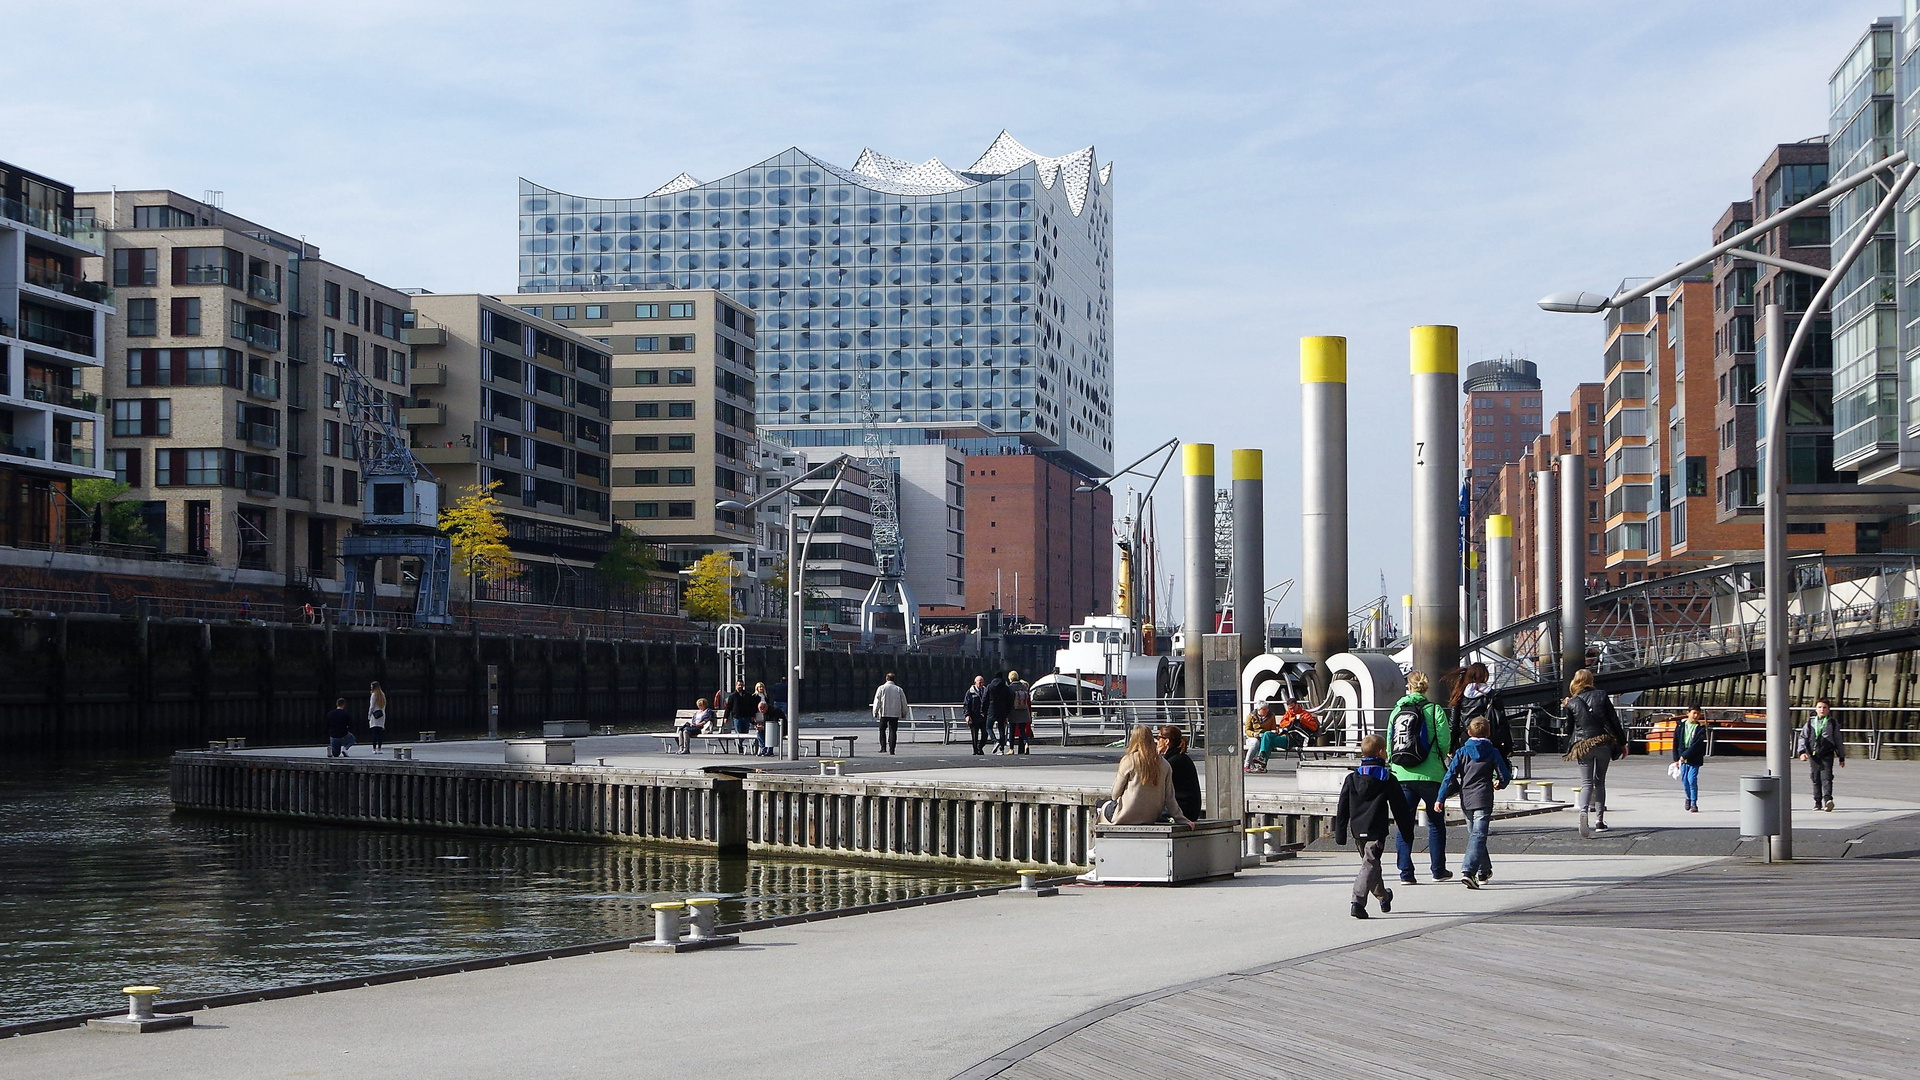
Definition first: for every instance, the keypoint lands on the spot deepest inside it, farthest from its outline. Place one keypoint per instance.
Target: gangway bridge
(1709, 623)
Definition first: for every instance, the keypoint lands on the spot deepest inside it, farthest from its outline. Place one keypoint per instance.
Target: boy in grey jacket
(1477, 770)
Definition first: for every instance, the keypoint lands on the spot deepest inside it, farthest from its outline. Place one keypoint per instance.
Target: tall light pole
(1779, 374)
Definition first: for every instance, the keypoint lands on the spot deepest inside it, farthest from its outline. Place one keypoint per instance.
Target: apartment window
(680, 311)
(190, 468)
(646, 509)
(199, 527)
(143, 317)
(330, 391)
(680, 476)
(126, 467)
(1593, 510)
(161, 217)
(330, 438)
(679, 443)
(646, 444)
(504, 406)
(353, 306)
(646, 410)
(646, 311)
(349, 487)
(596, 311)
(646, 477)
(135, 266)
(330, 301)
(186, 316)
(680, 410)
(679, 509)
(1593, 445)
(680, 376)
(379, 362)
(565, 311)
(326, 483)
(646, 344)
(1593, 413)
(143, 416)
(502, 368)
(647, 377)
(680, 343)
(1593, 543)
(209, 266)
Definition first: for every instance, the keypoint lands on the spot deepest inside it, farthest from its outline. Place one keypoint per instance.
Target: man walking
(1419, 774)
(743, 708)
(1000, 712)
(975, 704)
(889, 706)
(1821, 745)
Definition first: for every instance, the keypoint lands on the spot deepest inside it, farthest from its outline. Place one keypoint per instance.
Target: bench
(1164, 854)
(836, 740)
(729, 742)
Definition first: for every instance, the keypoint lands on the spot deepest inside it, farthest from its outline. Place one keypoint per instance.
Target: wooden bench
(836, 740)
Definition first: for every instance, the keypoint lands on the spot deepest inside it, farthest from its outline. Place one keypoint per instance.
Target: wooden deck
(1641, 980)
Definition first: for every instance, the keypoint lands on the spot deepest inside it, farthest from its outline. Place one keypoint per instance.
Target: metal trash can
(1759, 806)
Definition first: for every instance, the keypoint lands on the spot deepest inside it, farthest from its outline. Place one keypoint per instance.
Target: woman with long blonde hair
(1598, 739)
(1143, 786)
(376, 715)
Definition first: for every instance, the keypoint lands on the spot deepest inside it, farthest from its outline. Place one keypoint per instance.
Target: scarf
(1819, 727)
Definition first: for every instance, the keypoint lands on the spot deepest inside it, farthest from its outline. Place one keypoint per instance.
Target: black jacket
(1693, 751)
(339, 724)
(999, 700)
(1369, 801)
(1499, 729)
(743, 705)
(1827, 745)
(1593, 716)
(1186, 784)
(975, 703)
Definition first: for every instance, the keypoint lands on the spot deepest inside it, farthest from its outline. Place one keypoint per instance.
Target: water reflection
(104, 885)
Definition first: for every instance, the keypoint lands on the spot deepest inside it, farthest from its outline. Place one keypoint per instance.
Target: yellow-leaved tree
(478, 530)
(710, 587)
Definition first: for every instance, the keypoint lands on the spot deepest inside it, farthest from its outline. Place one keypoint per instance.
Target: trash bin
(1759, 806)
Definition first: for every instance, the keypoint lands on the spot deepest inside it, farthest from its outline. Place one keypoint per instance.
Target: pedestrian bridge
(1710, 623)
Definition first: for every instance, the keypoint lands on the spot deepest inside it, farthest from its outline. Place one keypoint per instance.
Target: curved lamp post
(1779, 373)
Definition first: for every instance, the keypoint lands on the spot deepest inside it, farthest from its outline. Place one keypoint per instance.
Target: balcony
(87, 232)
(80, 457)
(264, 336)
(423, 335)
(55, 338)
(48, 278)
(265, 435)
(262, 483)
(209, 275)
(430, 374)
(264, 386)
(66, 396)
(263, 289)
(424, 415)
(443, 455)
(20, 446)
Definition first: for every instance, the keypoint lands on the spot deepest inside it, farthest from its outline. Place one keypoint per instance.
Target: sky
(1280, 169)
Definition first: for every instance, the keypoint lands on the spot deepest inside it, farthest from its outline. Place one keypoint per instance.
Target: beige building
(502, 395)
(683, 413)
(222, 414)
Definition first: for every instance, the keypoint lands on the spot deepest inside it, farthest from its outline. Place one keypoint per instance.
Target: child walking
(1477, 770)
(1690, 752)
(1369, 799)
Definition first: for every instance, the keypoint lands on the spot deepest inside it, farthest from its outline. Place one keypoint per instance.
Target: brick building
(1035, 545)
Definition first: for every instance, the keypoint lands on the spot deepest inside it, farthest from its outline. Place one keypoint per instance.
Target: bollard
(666, 922)
(670, 917)
(140, 1015)
(1030, 884)
(216, 744)
(236, 744)
(701, 911)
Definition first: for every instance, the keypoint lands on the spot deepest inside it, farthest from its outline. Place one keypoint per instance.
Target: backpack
(1409, 742)
(1022, 699)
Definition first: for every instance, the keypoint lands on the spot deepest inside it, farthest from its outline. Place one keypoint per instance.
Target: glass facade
(1866, 373)
(973, 307)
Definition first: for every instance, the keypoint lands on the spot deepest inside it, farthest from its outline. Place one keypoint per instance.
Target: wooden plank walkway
(1638, 980)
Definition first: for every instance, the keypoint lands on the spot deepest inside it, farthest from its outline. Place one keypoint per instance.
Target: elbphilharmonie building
(974, 306)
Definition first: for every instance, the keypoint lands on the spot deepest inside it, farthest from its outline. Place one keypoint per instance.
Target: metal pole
(1323, 499)
(1500, 579)
(1546, 546)
(1249, 553)
(1436, 495)
(1774, 532)
(1198, 551)
(796, 623)
(1573, 565)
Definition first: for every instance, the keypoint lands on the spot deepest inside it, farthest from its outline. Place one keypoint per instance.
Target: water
(103, 885)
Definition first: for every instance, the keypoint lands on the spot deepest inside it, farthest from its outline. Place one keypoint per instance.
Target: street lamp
(796, 564)
(1779, 373)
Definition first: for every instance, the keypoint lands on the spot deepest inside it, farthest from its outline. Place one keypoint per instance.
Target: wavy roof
(1078, 171)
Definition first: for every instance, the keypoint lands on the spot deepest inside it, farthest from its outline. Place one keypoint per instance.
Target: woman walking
(1598, 739)
(1471, 698)
(1689, 753)
(376, 715)
(1143, 786)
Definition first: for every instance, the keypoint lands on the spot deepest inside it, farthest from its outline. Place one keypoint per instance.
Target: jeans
(1690, 783)
(1593, 780)
(769, 738)
(686, 738)
(376, 736)
(1427, 793)
(1822, 779)
(1000, 735)
(743, 725)
(1475, 861)
(338, 747)
(1368, 881)
(889, 734)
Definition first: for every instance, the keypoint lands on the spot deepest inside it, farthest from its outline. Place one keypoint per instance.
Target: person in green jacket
(1421, 783)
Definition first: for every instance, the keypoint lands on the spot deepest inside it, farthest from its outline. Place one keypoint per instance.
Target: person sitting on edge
(1477, 770)
(1370, 799)
(1142, 786)
(1297, 725)
(1261, 730)
(1186, 778)
(693, 725)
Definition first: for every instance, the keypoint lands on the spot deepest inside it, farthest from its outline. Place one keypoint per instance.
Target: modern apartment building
(682, 417)
(1683, 529)
(1502, 415)
(52, 332)
(224, 417)
(500, 395)
(839, 537)
(932, 502)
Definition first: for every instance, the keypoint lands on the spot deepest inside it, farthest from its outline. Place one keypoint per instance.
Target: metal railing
(55, 600)
(21, 446)
(264, 336)
(1115, 718)
(260, 435)
(263, 386)
(263, 289)
(55, 338)
(69, 454)
(85, 230)
(68, 396)
(48, 278)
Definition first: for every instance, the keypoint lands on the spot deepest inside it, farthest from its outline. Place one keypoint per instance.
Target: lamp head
(730, 504)
(1576, 303)
(1084, 488)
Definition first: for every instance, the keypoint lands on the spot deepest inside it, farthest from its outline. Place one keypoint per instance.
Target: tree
(710, 588)
(629, 563)
(118, 519)
(478, 530)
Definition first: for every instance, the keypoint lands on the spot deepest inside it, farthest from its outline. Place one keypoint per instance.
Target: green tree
(478, 530)
(629, 563)
(710, 588)
(118, 517)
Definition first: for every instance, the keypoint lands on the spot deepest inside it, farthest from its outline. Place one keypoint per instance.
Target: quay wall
(1886, 689)
(139, 685)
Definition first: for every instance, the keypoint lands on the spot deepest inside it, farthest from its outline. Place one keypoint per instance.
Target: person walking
(1477, 770)
(1598, 741)
(1172, 743)
(1821, 746)
(339, 729)
(889, 707)
(1142, 786)
(1472, 696)
(1689, 753)
(1000, 712)
(1419, 774)
(376, 716)
(742, 708)
(1370, 798)
(975, 705)
(1022, 722)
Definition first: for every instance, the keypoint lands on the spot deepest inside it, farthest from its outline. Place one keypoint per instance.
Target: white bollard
(1030, 884)
(666, 922)
(140, 1015)
(702, 910)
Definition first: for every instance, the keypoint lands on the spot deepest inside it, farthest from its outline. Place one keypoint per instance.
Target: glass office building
(972, 307)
